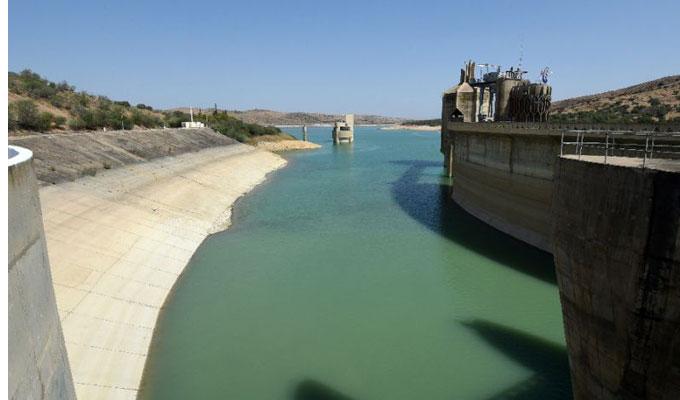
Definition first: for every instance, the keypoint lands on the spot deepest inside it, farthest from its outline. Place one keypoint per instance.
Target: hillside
(653, 101)
(269, 117)
(38, 105)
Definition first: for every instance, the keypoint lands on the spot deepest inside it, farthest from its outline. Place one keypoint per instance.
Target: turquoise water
(350, 275)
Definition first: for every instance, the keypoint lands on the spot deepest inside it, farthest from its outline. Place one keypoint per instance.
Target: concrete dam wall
(64, 157)
(617, 255)
(39, 367)
(505, 178)
(613, 226)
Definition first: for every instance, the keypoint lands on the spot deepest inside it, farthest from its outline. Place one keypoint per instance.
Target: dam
(605, 201)
(352, 272)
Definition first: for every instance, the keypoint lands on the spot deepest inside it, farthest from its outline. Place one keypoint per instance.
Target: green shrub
(12, 123)
(44, 122)
(144, 107)
(59, 121)
(26, 114)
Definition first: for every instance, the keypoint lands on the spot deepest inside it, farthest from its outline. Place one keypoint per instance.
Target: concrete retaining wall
(505, 179)
(38, 365)
(68, 156)
(617, 255)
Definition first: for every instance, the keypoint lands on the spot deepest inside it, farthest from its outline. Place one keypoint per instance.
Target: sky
(369, 57)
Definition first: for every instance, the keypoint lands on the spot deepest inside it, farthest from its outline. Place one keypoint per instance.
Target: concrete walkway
(117, 243)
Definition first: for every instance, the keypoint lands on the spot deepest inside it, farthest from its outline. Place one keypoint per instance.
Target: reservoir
(350, 274)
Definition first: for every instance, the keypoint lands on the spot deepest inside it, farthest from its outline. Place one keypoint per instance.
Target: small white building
(192, 124)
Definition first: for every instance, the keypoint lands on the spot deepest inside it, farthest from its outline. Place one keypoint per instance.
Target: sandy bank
(411, 128)
(285, 145)
(117, 243)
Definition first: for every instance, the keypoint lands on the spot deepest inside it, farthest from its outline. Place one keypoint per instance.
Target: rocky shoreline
(286, 145)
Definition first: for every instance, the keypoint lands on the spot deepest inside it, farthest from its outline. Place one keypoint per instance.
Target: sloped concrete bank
(118, 241)
(64, 157)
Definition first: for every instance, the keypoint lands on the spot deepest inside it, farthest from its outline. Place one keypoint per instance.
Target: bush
(59, 122)
(26, 114)
(44, 122)
(141, 118)
(12, 123)
(174, 119)
(144, 107)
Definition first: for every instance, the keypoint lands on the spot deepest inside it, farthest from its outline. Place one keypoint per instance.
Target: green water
(350, 273)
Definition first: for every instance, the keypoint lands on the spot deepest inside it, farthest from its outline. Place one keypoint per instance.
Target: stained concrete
(505, 179)
(617, 255)
(38, 364)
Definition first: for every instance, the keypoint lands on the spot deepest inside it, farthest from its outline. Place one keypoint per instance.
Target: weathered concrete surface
(119, 241)
(38, 365)
(505, 179)
(67, 156)
(617, 254)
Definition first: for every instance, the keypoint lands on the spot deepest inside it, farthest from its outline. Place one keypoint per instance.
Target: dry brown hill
(269, 117)
(653, 101)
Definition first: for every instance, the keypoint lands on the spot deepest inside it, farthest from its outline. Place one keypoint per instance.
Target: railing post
(606, 146)
(562, 145)
(651, 151)
(644, 160)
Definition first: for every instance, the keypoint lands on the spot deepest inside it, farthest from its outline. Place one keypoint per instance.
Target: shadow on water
(548, 361)
(430, 204)
(309, 389)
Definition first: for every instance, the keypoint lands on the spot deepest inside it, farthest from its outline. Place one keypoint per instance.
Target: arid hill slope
(653, 101)
(269, 117)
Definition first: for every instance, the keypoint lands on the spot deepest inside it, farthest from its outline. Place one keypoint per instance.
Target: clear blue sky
(386, 57)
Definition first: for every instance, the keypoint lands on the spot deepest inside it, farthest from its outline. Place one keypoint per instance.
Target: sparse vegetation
(233, 127)
(423, 122)
(649, 102)
(33, 94)
(83, 111)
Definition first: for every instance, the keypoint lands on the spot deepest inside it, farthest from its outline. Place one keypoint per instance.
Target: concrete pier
(38, 364)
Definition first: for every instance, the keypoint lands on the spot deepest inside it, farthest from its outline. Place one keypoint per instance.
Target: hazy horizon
(380, 58)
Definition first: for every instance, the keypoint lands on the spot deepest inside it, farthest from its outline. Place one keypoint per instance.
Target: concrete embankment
(617, 255)
(38, 365)
(119, 240)
(65, 157)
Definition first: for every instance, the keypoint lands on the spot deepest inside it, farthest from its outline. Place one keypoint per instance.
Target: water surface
(351, 274)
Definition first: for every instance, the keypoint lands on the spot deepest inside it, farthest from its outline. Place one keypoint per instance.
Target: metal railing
(645, 145)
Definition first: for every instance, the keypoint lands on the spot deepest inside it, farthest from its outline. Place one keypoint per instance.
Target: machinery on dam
(497, 96)
(343, 131)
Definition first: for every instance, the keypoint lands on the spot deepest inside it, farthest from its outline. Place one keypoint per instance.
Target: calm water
(350, 273)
